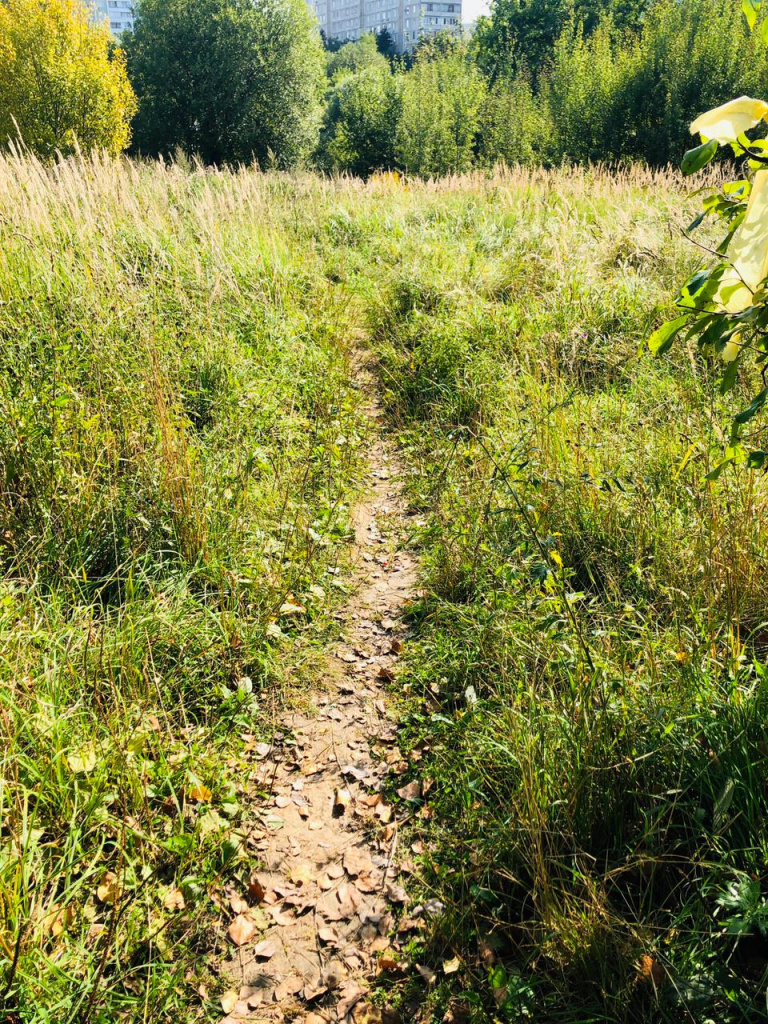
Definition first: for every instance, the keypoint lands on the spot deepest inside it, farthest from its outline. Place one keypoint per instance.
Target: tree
(361, 122)
(62, 83)
(227, 80)
(353, 57)
(522, 33)
(442, 98)
(385, 42)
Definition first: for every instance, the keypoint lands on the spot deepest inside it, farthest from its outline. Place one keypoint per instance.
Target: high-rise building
(405, 20)
(119, 14)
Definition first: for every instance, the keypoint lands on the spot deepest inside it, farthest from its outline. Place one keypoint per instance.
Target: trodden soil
(330, 884)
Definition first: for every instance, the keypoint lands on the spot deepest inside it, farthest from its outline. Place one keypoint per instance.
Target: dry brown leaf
(301, 874)
(57, 920)
(238, 905)
(357, 862)
(241, 930)
(292, 985)
(313, 992)
(396, 893)
(410, 791)
(427, 974)
(328, 936)
(383, 812)
(451, 966)
(229, 1001)
(342, 798)
(264, 950)
(200, 794)
(174, 900)
(351, 994)
(108, 890)
(366, 1013)
(289, 609)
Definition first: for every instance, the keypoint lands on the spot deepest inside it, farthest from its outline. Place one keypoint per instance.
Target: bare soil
(331, 884)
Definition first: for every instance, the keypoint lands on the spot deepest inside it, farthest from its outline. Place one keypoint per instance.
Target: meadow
(181, 441)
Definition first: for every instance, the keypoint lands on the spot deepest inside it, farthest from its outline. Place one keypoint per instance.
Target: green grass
(587, 665)
(180, 443)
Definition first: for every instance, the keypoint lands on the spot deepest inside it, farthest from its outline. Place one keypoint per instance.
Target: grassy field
(180, 443)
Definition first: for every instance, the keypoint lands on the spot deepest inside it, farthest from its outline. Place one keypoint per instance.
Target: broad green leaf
(661, 340)
(750, 10)
(699, 156)
(757, 459)
(753, 408)
(714, 474)
(729, 377)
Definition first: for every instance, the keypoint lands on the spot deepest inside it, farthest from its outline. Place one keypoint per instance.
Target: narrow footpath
(333, 870)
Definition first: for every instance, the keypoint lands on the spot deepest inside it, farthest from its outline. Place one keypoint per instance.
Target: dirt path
(331, 871)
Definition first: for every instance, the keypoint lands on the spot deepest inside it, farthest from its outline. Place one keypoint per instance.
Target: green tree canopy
(442, 98)
(353, 57)
(228, 80)
(62, 83)
(522, 33)
(361, 122)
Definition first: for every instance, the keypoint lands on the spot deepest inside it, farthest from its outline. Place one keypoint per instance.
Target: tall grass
(588, 666)
(179, 440)
(178, 447)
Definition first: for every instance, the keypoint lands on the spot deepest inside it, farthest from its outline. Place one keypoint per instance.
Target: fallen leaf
(57, 920)
(410, 791)
(357, 862)
(350, 994)
(174, 900)
(427, 974)
(313, 992)
(328, 936)
(108, 890)
(288, 609)
(264, 950)
(451, 966)
(341, 800)
(241, 929)
(301, 874)
(290, 987)
(396, 893)
(383, 812)
(367, 1013)
(229, 1001)
(200, 794)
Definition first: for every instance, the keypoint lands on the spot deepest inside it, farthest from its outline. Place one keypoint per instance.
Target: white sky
(472, 9)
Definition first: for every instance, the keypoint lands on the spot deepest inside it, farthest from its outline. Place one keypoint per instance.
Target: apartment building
(406, 20)
(119, 14)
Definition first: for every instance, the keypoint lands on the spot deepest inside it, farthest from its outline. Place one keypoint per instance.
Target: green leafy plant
(723, 306)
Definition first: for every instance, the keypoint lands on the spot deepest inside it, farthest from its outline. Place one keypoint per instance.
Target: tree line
(230, 81)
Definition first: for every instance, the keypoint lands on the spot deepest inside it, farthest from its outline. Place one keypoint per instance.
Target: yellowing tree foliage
(62, 83)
